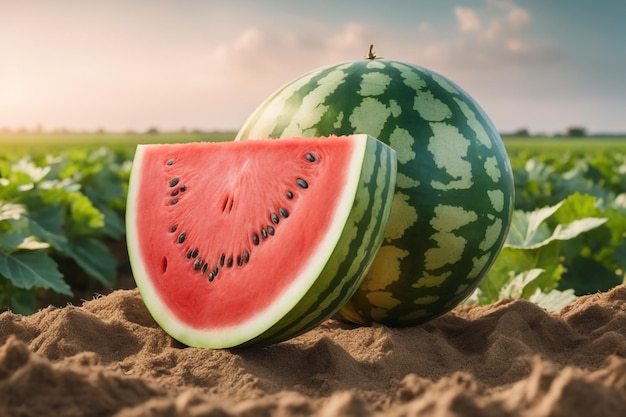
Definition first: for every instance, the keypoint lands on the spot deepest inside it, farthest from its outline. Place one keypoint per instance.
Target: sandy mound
(109, 358)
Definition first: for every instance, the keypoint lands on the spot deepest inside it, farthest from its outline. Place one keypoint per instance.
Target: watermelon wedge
(251, 243)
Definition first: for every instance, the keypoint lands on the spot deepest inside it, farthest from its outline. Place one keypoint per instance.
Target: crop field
(62, 203)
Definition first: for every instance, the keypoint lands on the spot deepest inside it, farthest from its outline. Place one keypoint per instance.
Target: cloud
(172, 70)
(493, 36)
(261, 59)
(484, 43)
(468, 19)
(265, 51)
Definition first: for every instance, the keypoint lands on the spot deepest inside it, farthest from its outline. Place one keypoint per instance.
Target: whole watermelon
(454, 195)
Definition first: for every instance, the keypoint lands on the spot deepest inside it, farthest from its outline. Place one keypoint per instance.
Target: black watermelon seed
(239, 260)
(170, 162)
(264, 233)
(174, 201)
(255, 239)
(283, 212)
(183, 188)
(211, 276)
(275, 218)
(189, 254)
(173, 228)
(229, 262)
(196, 264)
(215, 271)
(174, 193)
(289, 195)
(181, 237)
(173, 182)
(222, 258)
(302, 183)
(311, 157)
(246, 256)
(205, 266)
(270, 230)
(194, 254)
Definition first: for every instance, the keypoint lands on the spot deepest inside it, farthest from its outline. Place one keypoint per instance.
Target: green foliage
(567, 233)
(57, 209)
(61, 205)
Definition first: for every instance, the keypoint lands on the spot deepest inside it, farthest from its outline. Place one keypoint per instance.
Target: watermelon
(454, 194)
(251, 243)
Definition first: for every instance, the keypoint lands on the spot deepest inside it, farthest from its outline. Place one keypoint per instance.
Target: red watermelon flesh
(225, 239)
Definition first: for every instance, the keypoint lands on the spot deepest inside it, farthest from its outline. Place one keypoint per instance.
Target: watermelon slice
(251, 243)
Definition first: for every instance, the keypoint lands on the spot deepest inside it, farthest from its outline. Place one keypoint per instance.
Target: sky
(118, 65)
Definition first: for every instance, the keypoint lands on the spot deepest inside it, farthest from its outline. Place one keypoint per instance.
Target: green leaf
(515, 287)
(526, 229)
(575, 228)
(31, 243)
(95, 258)
(554, 299)
(12, 234)
(114, 225)
(532, 257)
(11, 211)
(85, 216)
(588, 276)
(529, 230)
(547, 258)
(27, 166)
(47, 224)
(33, 268)
(18, 300)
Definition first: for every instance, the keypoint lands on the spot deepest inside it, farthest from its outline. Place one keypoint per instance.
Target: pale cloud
(490, 37)
(262, 58)
(518, 17)
(252, 64)
(467, 19)
(505, 18)
(516, 46)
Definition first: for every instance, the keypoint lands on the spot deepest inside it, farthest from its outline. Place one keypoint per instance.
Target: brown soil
(108, 357)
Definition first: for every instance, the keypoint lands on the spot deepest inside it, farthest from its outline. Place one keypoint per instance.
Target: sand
(107, 357)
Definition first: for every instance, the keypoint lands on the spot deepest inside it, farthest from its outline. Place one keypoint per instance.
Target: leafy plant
(61, 208)
(543, 253)
(58, 211)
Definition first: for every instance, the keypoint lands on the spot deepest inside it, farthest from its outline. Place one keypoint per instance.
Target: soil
(107, 357)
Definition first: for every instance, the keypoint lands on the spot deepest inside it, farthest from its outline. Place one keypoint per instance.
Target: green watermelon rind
(451, 165)
(354, 251)
(333, 273)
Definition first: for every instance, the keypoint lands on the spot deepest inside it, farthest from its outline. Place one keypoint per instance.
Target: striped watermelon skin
(454, 194)
(354, 252)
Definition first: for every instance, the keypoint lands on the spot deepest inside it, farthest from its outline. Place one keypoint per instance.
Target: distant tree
(152, 131)
(576, 131)
(521, 132)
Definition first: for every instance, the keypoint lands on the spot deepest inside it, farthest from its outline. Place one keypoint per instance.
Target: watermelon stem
(371, 54)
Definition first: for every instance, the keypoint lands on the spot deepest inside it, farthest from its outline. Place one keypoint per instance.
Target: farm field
(88, 173)
(545, 326)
